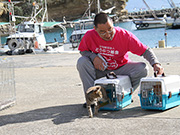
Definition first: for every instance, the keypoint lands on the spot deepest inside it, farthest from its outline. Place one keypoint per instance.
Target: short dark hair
(101, 18)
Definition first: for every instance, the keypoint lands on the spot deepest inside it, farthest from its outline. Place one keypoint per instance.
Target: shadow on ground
(58, 114)
(68, 113)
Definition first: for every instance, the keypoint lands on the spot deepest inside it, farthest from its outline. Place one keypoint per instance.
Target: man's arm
(150, 56)
(89, 54)
(98, 62)
(152, 59)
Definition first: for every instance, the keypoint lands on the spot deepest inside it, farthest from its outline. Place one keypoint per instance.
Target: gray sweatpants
(88, 74)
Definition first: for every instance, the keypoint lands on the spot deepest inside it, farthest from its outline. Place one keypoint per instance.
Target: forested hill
(71, 9)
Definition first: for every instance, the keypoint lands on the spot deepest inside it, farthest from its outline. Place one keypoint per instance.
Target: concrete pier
(49, 100)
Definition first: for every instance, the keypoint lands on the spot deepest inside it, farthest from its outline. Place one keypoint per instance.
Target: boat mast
(45, 15)
(172, 2)
(98, 6)
(154, 15)
(43, 9)
(89, 7)
(12, 18)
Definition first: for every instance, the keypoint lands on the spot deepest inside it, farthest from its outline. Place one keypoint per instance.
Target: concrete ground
(49, 100)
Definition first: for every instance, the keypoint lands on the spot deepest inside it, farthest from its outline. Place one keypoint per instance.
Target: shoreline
(66, 49)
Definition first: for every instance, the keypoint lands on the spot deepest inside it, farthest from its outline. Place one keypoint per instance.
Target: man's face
(105, 31)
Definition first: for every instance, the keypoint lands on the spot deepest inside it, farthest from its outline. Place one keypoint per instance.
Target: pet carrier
(160, 93)
(119, 91)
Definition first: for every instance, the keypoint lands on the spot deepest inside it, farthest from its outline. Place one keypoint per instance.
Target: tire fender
(13, 44)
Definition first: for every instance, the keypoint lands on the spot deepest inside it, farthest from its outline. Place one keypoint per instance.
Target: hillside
(57, 9)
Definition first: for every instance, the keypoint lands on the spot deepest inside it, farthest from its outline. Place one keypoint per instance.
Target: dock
(49, 99)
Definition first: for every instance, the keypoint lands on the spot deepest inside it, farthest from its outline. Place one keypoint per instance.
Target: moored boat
(149, 23)
(28, 35)
(80, 28)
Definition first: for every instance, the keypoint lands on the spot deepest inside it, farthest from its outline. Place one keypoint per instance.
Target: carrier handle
(170, 95)
(111, 75)
(122, 95)
(131, 91)
(155, 74)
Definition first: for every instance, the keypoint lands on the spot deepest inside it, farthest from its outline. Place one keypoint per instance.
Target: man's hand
(99, 63)
(158, 68)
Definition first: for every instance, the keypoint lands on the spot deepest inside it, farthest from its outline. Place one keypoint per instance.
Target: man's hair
(100, 18)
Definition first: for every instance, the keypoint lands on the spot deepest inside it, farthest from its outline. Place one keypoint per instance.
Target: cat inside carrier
(160, 93)
(151, 94)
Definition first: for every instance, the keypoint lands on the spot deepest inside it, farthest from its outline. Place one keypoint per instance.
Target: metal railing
(7, 83)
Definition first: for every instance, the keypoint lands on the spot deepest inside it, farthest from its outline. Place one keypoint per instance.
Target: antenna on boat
(12, 18)
(36, 10)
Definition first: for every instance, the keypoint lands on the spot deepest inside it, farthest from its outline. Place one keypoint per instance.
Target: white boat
(173, 23)
(28, 35)
(149, 23)
(80, 28)
(83, 25)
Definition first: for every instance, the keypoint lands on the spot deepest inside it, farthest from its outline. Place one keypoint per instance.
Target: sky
(136, 5)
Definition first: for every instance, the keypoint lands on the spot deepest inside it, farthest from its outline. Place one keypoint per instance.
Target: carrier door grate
(151, 94)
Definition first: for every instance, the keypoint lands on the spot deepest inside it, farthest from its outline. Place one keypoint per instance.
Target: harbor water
(149, 37)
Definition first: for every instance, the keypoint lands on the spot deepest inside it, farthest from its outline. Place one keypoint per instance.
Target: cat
(93, 96)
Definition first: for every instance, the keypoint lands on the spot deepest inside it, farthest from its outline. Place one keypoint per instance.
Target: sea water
(149, 37)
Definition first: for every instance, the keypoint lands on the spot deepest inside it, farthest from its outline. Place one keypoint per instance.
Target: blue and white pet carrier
(160, 93)
(119, 91)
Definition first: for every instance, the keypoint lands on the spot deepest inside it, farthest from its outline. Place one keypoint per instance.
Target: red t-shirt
(115, 51)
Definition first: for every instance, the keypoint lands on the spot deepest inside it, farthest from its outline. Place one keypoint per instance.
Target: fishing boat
(149, 23)
(174, 21)
(80, 28)
(28, 36)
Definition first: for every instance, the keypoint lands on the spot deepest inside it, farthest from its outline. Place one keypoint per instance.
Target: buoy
(34, 3)
(36, 45)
